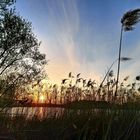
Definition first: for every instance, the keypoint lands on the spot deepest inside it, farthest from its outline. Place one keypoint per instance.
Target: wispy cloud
(72, 45)
(64, 25)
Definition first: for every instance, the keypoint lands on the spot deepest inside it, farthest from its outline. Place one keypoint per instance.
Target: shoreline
(82, 105)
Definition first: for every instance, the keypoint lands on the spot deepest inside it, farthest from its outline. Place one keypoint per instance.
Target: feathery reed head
(125, 59)
(130, 18)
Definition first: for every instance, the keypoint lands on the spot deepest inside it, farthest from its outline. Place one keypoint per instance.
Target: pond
(51, 112)
(30, 112)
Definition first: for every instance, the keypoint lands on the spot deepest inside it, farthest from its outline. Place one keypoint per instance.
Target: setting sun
(42, 98)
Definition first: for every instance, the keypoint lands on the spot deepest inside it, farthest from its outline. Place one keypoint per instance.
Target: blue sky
(83, 35)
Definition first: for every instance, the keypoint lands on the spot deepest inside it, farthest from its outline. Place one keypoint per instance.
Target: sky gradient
(83, 36)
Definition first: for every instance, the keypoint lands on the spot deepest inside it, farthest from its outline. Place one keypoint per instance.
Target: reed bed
(75, 124)
(93, 112)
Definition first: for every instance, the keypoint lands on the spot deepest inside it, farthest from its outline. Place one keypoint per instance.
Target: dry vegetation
(76, 88)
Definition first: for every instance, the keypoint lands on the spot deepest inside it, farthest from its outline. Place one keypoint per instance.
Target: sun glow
(42, 98)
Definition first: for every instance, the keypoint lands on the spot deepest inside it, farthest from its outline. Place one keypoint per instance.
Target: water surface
(29, 112)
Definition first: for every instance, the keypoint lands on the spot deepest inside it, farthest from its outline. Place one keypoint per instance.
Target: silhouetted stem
(106, 75)
(119, 59)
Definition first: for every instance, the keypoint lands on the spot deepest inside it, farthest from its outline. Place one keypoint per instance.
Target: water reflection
(51, 112)
(30, 112)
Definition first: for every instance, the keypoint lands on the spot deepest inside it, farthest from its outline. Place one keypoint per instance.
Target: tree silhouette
(20, 58)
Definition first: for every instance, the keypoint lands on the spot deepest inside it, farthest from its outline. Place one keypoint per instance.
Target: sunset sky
(83, 36)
